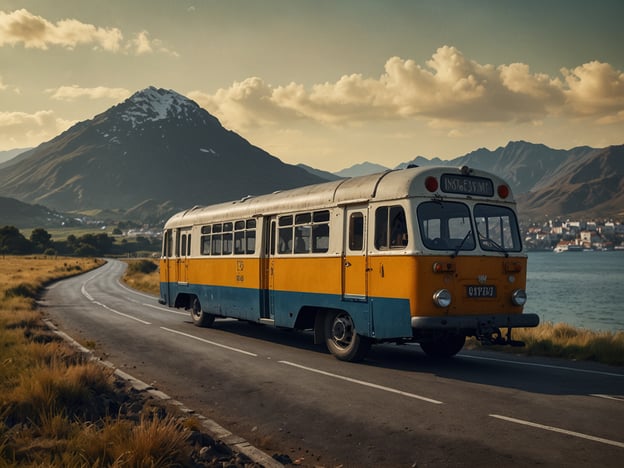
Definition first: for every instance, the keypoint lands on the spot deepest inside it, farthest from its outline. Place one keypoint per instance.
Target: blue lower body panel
(380, 318)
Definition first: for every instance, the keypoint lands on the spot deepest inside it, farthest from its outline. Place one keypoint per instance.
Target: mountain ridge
(158, 152)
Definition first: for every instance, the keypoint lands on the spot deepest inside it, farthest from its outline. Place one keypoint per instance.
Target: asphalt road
(398, 408)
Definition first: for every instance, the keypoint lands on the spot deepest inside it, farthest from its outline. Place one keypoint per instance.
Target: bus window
(320, 231)
(445, 226)
(285, 235)
(356, 231)
(497, 228)
(183, 246)
(302, 239)
(205, 240)
(216, 239)
(167, 244)
(390, 228)
(320, 238)
(239, 237)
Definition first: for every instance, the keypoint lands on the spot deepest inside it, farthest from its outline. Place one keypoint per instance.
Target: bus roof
(384, 186)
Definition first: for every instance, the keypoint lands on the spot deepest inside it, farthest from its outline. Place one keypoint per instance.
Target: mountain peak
(153, 104)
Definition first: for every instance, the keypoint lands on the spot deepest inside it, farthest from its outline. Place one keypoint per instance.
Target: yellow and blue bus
(424, 254)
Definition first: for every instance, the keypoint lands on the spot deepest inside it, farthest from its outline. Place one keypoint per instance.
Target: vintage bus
(423, 254)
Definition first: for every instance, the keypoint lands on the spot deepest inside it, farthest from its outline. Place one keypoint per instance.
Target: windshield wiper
(461, 244)
(494, 244)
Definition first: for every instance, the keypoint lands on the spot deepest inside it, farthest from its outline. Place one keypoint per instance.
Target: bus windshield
(445, 226)
(497, 228)
(448, 226)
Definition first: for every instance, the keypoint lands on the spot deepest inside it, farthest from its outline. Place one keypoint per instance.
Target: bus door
(183, 252)
(267, 311)
(167, 262)
(354, 255)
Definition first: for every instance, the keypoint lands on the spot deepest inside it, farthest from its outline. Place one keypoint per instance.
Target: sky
(326, 83)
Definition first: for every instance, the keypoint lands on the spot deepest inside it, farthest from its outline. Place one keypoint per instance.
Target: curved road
(399, 408)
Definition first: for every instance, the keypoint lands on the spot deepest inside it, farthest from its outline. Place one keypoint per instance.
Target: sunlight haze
(326, 83)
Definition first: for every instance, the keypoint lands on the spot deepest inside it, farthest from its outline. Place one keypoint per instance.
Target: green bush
(143, 266)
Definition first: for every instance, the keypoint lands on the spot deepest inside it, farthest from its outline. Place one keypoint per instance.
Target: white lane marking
(608, 397)
(209, 342)
(547, 366)
(560, 431)
(88, 296)
(121, 313)
(84, 292)
(364, 383)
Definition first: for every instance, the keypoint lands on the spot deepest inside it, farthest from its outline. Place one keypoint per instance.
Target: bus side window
(285, 235)
(398, 234)
(356, 231)
(390, 228)
(381, 228)
(167, 244)
(205, 240)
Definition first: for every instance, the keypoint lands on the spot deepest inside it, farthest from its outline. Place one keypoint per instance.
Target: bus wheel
(200, 318)
(444, 346)
(342, 340)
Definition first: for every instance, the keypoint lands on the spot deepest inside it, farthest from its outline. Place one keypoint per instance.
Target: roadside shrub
(21, 290)
(142, 266)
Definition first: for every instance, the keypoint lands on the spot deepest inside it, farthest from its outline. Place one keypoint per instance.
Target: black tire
(199, 317)
(444, 346)
(342, 339)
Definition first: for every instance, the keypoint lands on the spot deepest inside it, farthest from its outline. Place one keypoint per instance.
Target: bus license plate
(481, 291)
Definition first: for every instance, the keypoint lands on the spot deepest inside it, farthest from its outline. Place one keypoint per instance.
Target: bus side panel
(392, 289)
(316, 282)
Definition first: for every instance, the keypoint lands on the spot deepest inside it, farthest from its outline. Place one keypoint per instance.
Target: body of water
(584, 289)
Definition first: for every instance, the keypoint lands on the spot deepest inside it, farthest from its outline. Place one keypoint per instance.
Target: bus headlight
(519, 297)
(442, 298)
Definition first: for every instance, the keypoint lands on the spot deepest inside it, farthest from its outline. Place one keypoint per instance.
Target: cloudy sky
(326, 83)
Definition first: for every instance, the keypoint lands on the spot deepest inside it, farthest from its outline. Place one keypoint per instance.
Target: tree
(13, 242)
(40, 239)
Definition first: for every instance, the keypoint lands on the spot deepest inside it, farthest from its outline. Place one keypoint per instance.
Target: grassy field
(548, 339)
(57, 408)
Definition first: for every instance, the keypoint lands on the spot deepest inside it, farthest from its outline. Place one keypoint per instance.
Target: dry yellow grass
(56, 409)
(139, 276)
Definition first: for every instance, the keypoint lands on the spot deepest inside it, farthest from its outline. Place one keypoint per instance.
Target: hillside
(590, 185)
(156, 146)
(19, 214)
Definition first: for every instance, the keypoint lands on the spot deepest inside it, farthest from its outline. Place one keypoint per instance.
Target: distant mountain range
(6, 156)
(582, 181)
(159, 152)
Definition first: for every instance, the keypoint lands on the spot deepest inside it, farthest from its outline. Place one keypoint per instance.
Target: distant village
(574, 236)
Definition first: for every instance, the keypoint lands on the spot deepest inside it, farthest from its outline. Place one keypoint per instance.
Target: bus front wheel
(444, 346)
(200, 318)
(342, 339)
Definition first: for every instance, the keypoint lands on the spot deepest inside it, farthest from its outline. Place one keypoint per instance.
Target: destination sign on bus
(466, 185)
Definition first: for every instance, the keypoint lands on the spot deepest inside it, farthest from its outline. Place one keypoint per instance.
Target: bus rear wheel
(444, 346)
(342, 339)
(200, 318)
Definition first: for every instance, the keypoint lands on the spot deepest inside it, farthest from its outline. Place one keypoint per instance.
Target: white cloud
(449, 89)
(595, 89)
(21, 26)
(71, 93)
(36, 32)
(20, 129)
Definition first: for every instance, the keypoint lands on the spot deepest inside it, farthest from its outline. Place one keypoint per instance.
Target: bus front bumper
(475, 322)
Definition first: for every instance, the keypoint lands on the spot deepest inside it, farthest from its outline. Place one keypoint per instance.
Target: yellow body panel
(389, 276)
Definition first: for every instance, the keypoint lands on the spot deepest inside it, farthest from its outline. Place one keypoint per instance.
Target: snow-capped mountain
(157, 145)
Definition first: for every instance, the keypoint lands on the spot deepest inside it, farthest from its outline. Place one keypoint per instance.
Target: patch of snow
(153, 104)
